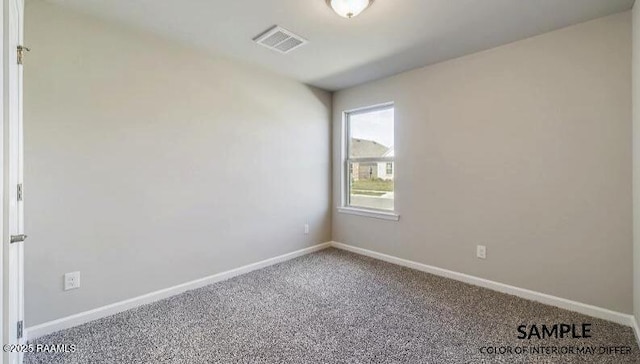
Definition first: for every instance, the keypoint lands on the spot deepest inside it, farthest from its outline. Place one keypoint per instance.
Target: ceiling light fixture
(349, 8)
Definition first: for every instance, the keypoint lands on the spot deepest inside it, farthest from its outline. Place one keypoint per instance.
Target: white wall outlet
(306, 228)
(481, 252)
(71, 280)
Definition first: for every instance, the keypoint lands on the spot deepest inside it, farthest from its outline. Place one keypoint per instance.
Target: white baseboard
(112, 309)
(594, 311)
(636, 330)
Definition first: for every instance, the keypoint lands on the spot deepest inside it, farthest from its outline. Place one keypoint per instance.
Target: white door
(13, 219)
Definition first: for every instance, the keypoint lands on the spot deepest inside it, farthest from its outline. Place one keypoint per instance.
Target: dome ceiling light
(349, 8)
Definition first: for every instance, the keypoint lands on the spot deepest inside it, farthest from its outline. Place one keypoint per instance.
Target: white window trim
(345, 208)
(376, 214)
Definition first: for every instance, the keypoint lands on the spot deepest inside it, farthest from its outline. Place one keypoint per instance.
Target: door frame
(4, 357)
(11, 255)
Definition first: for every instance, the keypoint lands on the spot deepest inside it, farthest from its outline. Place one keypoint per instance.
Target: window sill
(376, 214)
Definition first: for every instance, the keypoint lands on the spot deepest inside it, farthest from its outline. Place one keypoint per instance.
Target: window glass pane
(371, 165)
(371, 134)
(370, 185)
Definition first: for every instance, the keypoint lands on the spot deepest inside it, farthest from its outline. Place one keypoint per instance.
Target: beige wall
(526, 149)
(149, 164)
(636, 159)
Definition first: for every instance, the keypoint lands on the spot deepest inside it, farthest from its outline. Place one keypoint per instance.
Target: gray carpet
(331, 307)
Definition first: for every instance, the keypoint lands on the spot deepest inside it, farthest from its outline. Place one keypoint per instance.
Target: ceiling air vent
(279, 39)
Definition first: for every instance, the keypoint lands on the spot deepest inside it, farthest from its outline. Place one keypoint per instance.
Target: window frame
(346, 206)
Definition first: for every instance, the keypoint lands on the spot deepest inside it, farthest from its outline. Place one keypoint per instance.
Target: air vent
(279, 39)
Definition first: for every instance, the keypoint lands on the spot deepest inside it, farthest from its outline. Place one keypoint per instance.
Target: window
(369, 164)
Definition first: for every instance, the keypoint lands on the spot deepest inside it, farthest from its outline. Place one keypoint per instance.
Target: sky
(376, 126)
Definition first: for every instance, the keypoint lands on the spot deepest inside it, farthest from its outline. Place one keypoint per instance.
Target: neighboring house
(362, 148)
(386, 169)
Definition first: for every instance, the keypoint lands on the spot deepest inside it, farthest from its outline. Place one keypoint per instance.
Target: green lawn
(371, 185)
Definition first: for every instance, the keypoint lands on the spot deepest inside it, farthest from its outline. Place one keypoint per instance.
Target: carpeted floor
(333, 307)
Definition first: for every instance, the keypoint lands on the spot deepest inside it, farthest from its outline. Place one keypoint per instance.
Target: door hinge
(19, 192)
(18, 238)
(20, 329)
(21, 50)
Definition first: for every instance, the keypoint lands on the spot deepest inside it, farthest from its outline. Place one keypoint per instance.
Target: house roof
(363, 148)
(390, 152)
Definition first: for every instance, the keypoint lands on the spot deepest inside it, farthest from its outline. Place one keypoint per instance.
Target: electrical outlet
(481, 252)
(306, 228)
(71, 280)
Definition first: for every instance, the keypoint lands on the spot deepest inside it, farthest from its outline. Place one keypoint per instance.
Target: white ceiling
(390, 37)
